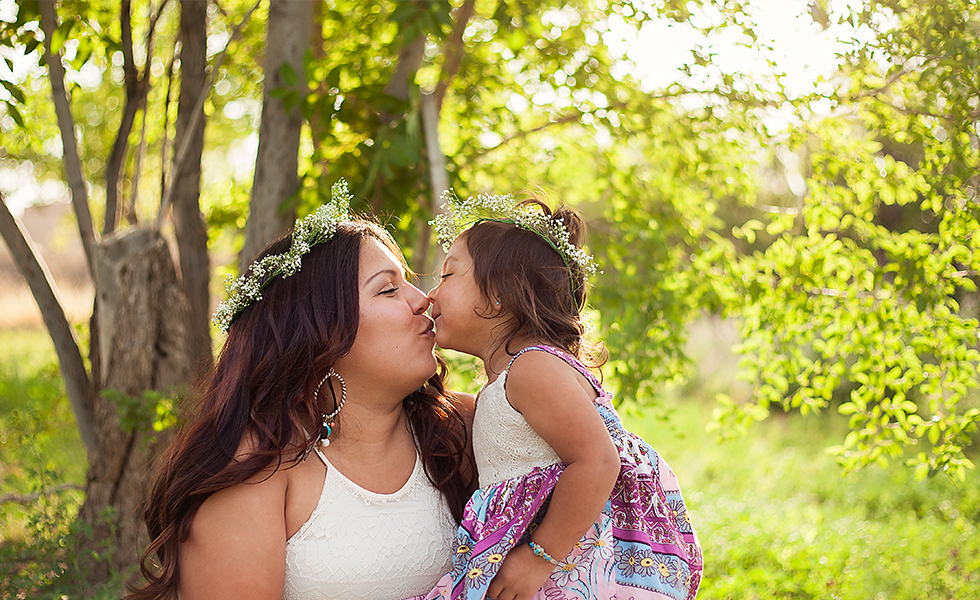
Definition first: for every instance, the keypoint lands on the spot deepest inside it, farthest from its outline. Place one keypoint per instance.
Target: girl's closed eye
(445, 276)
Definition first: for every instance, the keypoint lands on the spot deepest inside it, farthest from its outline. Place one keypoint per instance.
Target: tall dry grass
(18, 310)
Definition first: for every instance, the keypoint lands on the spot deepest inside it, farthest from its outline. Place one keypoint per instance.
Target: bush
(41, 476)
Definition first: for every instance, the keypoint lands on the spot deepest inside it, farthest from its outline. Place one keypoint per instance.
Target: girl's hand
(521, 575)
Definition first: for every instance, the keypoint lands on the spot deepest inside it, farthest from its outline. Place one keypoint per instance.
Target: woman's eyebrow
(391, 272)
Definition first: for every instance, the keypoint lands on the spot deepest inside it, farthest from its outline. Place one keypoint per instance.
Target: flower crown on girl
(460, 215)
(316, 228)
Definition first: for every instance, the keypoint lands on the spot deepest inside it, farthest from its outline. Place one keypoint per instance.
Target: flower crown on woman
(316, 228)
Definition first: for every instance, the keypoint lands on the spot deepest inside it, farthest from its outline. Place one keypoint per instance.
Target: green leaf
(60, 36)
(15, 91)
(405, 12)
(14, 114)
(289, 75)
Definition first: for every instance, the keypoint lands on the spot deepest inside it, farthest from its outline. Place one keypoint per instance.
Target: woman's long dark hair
(263, 386)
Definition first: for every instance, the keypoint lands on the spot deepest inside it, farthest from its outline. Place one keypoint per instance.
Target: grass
(776, 517)
(42, 471)
(38, 438)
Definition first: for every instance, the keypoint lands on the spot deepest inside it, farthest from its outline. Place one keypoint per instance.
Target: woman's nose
(421, 302)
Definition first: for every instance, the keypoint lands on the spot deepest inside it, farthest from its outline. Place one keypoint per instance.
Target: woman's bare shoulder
(240, 532)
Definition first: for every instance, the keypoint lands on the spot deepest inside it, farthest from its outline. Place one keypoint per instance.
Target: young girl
(571, 505)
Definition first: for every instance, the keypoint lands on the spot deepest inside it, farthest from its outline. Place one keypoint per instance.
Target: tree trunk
(431, 105)
(189, 226)
(276, 161)
(424, 263)
(144, 345)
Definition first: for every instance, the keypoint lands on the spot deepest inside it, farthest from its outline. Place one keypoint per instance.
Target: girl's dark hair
(531, 281)
(263, 386)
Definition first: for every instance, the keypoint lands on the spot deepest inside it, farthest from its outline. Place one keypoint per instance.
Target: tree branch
(165, 144)
(134, 94)
(144, 87)
(198, 114)
(35, 272)
(454, 50)
(570, 117)
(409, 61)
(30, 498)
(910, 111)
(884, 88)
(66, 124)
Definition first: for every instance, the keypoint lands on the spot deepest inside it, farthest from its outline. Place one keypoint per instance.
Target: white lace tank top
(359, 544)
(504, 444)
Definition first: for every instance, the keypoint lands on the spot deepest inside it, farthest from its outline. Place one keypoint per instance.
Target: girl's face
(395, 341)
(459, 309)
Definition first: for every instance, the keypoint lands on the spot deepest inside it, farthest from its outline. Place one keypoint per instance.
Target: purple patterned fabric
(641, 547)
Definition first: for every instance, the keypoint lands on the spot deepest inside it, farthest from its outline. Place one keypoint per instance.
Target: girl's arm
(237, 543)
(556, 401)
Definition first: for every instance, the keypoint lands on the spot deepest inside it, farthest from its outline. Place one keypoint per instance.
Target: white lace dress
(359, 544)
(504, 444)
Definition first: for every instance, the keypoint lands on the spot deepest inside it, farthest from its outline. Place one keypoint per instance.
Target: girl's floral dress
(642, 545)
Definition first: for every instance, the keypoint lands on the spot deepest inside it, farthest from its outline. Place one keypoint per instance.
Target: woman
(327, 460)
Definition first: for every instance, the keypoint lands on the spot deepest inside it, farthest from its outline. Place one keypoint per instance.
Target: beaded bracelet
(539, 551)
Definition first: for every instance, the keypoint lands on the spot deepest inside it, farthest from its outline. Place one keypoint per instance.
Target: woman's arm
(556, 404)
(237, 543)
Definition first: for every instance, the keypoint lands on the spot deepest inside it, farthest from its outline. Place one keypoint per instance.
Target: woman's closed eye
(389, 291)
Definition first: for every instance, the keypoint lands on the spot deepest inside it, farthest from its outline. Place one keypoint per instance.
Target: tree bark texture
(189, 226)
(276, 161)
(143, 345)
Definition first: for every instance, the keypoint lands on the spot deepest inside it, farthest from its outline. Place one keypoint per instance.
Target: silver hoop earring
(328, 423)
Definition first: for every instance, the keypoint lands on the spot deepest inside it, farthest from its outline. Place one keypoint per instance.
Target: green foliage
(153, 410)
(39, 556)
(33, 407)
(856, 294)
(855, 299)
(837, 304)
(777, 520)
(48, 564)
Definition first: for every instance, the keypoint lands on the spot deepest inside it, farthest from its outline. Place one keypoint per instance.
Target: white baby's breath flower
(459, 215)
(318, 227)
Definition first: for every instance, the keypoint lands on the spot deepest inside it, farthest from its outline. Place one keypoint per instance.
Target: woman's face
(395, 343)
(458, 307)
